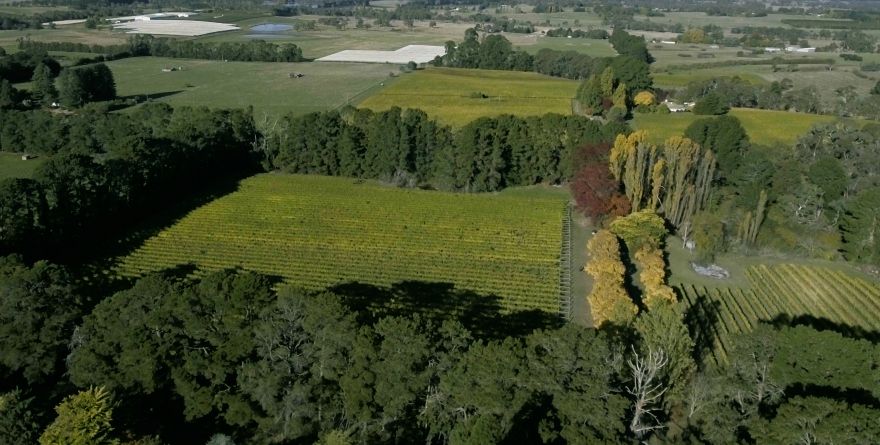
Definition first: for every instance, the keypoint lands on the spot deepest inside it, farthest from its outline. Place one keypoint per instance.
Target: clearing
(11, 165)
(318, 232)
(453, 95)
(264, 85)
(765, 127)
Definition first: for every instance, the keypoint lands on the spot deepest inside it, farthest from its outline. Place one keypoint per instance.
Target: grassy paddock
(763, 126)
(591, 47)
(444, 93)
(264, 85)
(321, 231)
(11, 166)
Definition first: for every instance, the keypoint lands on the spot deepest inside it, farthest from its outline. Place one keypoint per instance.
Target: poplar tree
(607, 82)
(609, 302)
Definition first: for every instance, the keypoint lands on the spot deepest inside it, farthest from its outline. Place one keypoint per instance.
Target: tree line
(147, 45)
(406, 147)
(495, 52)
(106, 171)
(182, 361)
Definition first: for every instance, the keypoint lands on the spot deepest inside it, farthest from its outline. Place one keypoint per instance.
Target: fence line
(565, 264)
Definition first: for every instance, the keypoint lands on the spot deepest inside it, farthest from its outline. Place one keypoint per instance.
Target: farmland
(785, 291)
(764, 127)
(266, 86)
(446, 93)
(321, 231)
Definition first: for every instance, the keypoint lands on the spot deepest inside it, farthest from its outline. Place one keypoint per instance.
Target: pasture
(450, 94)
(264, 85)
(318, 232)
(11, 166)
(765, 127)
(590, 47)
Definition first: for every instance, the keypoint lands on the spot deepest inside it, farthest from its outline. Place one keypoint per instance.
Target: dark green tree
(828, 174)
(38, 312)
(860, 225)
(725, 136)
(712, 104)
(20, 422)
(43, 89)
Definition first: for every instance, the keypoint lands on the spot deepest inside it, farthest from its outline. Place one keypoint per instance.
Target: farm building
(772, 49)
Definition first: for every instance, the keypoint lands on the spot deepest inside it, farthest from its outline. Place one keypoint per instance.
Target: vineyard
(318, 232)
(784, 290)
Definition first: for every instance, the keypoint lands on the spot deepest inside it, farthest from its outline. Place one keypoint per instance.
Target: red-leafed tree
(594, 153)
(597, 193)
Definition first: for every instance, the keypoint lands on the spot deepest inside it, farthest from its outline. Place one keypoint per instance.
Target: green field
(444, 93)
(321, 231)
(264, 85)
(787, 291)
(764, 127)
(591, 47)
(11, 166)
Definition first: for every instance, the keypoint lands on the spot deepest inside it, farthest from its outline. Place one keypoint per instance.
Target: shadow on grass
(483, 315)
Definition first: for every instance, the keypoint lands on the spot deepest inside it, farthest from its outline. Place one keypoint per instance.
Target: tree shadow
(152, 96)
(824, 324)
(93, 262)
(702, 319)
(483, 315)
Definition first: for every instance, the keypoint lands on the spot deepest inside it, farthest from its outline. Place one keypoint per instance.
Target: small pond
(271, 27)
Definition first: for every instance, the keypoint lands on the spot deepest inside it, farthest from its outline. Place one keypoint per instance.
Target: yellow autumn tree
(653, 277)
(609, 301)
(631, 160)
(644, 98)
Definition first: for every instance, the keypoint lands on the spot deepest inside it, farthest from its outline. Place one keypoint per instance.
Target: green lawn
(264, 85)
(319, 231)
(763, 126)
(11, 166)
(591, 47)
(444, 93)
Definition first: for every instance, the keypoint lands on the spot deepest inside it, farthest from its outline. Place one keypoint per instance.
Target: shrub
(851, 57)
(871, 66)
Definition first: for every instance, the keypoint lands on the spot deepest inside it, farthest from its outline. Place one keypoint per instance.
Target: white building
(667, 42)
(806, 50)
(772, 49)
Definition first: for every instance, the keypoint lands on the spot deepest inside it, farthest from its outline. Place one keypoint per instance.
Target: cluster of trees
(630, 46)
(408, 148)
(819, 198)
(737, 92)
(232, 356)
(496, 52)
(105, 171)
(147, 45)
(78, 86)
(20, 66)
(599, 34)
(613, 91)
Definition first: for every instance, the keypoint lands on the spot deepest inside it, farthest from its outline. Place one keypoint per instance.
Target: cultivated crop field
(783, 290)
(765, 127)
(321, 231)
(446, 93)
(264, 85)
